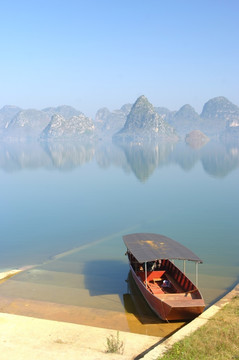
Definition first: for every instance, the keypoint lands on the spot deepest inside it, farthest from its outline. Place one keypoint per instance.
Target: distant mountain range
(140, 122)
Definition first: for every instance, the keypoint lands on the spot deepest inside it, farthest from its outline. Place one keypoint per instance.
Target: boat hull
(171, 306)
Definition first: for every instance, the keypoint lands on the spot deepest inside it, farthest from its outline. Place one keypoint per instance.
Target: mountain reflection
(67, 156)
(144, 159)
(184, 156)
(218, 159)
(22, 155)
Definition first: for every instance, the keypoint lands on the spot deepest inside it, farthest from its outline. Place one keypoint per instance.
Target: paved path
(26, 338)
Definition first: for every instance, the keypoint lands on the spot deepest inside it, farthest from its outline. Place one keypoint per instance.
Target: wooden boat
(167, 290)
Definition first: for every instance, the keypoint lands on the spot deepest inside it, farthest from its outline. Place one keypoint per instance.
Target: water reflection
(67, 156)
(217, 158)
(134, 303)
(143, 159)
(21, 155)
(184, 156)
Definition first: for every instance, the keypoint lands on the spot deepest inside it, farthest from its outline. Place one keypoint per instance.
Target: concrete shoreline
(32, 338)
(186, 330)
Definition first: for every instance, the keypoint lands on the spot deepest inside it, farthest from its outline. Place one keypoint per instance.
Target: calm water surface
(65, 207)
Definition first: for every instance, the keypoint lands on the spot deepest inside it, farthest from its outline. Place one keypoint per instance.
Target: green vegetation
(218, 339)
(114, 345)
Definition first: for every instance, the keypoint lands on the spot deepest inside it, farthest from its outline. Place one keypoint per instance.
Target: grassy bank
(218, 339)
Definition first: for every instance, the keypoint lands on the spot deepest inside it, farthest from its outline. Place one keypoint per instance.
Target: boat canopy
(151, 247)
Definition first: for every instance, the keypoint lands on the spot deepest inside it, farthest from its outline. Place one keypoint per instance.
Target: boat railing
(183, 284)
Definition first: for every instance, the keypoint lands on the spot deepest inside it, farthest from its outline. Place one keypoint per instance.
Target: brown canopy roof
(150, 247)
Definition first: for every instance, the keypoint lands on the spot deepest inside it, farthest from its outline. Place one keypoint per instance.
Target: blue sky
(105, 53)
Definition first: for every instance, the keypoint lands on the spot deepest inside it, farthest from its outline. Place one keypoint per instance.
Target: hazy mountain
(6, 115)
(165, 113)
(217, 114)
(26, 124)
(66, 111)
(140, 122)
(108, 123)
(185, 120)
(76, 127)
(231, 133)
(144, 124)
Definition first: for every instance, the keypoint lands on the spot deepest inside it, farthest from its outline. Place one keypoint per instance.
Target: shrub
(114, 345)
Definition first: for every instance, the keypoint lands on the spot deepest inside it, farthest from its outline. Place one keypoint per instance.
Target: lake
(65, 207)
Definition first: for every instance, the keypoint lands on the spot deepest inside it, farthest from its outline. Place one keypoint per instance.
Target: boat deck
(175, 290)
